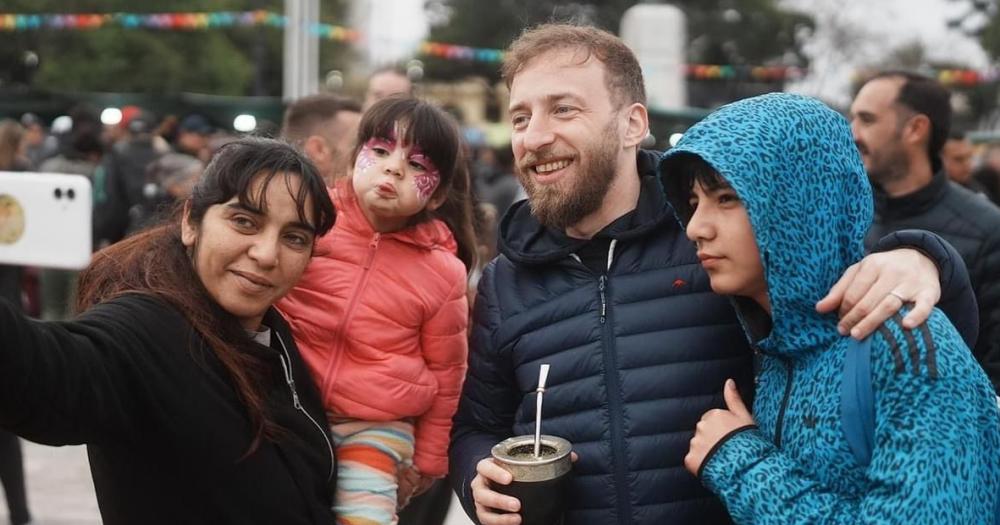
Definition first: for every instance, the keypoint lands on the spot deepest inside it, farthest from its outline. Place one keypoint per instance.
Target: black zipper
(286, 367)
(779, 426)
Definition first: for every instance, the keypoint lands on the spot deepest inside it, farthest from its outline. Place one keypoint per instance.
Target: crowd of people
(336, 324)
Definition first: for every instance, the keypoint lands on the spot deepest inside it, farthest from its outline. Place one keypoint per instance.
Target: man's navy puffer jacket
(633, 367)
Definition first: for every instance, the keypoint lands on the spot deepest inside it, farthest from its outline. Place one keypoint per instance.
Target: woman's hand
(875, 288)
(715, 425)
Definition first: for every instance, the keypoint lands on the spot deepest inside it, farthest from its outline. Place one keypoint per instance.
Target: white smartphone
(45, 220)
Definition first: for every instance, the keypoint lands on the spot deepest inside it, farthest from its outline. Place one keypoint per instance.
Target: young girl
(774, 195)
(381, 312)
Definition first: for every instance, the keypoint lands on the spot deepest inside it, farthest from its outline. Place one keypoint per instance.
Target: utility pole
(301, 63)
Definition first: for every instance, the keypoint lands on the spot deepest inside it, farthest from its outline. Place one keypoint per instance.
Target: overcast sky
(875, 28)
(880, 27)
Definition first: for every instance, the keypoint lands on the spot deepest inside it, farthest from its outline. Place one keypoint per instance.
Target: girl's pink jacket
(380, 319)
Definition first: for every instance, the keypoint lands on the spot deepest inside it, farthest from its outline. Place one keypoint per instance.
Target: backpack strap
(857, 400)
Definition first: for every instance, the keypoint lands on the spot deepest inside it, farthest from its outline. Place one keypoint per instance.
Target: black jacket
(638, 352)
(971, 224)
(118, 188)
(165, 428)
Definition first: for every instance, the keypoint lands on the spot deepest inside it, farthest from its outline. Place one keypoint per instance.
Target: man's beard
(889, 165)
(570, 200)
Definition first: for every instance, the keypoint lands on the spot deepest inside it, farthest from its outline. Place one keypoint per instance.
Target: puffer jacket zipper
(286, 365)
(615, 402)
(337, 352)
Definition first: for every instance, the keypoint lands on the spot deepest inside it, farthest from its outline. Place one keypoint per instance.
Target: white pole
(301, 53)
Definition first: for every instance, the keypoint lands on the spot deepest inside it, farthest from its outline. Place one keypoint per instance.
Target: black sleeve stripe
(911, 342)
(897, 356)
(931, 349)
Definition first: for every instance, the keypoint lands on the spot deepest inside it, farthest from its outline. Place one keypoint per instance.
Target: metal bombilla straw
(543, 374)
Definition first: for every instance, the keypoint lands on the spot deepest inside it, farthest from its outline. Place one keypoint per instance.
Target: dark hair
(622, 74)
(680, 173)
(85, 140)
(304, 116)
(957, 135)
(928, 97)
(437, 135)
(155, 262)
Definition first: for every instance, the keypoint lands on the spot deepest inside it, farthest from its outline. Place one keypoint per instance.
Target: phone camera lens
(58, 193)
(70, 194)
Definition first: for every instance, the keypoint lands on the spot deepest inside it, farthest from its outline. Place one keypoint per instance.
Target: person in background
(169, 181)
(38, 143)
(324, 127)
(900, 122)
(495, 182)
(81, 154)
(193, 134)
(11, 460)
(387, 82)
(957, 157)
(119, 181)
(987, 175)
(381, 312)
(179, 376)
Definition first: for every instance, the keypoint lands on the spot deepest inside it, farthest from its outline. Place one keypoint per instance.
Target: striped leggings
(369, 456)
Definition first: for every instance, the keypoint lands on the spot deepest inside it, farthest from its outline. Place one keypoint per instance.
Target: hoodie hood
(793, 163)
(524, 240)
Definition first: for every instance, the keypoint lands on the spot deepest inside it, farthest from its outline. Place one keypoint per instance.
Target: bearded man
(597, 278)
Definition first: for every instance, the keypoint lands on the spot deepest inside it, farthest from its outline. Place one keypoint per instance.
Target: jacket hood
(429, 234)
(793, 163)
(524, 240)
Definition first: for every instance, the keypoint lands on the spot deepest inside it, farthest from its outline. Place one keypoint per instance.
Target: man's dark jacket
(638, 353)
(118, 190)
(971, 224)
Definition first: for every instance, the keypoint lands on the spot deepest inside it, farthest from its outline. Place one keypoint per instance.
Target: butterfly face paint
(393, 181)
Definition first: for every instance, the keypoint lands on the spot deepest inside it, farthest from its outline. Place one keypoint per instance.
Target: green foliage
(231, 61)
(764, 32)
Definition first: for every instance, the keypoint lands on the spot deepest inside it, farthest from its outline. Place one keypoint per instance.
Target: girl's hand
(715, 425)
(411, 483)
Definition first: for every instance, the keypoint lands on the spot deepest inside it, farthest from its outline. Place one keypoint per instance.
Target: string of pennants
(165, 21)
(191, 21)
(952, 77)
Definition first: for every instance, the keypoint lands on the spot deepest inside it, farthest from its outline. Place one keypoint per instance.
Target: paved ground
(60, 491)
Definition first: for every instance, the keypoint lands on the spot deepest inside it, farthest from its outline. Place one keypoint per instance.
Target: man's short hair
(925, 96)
(307, 115)
(397, 70)
(622, 74)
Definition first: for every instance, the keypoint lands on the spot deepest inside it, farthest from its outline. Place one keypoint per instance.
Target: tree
(222, 61)
(719, 31)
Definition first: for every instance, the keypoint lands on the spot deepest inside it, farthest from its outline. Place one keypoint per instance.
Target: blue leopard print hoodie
(936, 451)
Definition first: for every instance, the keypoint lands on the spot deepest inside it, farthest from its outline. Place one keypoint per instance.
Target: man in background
(900, 123)
(387, 82)
(324, 126)
(957, 155)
